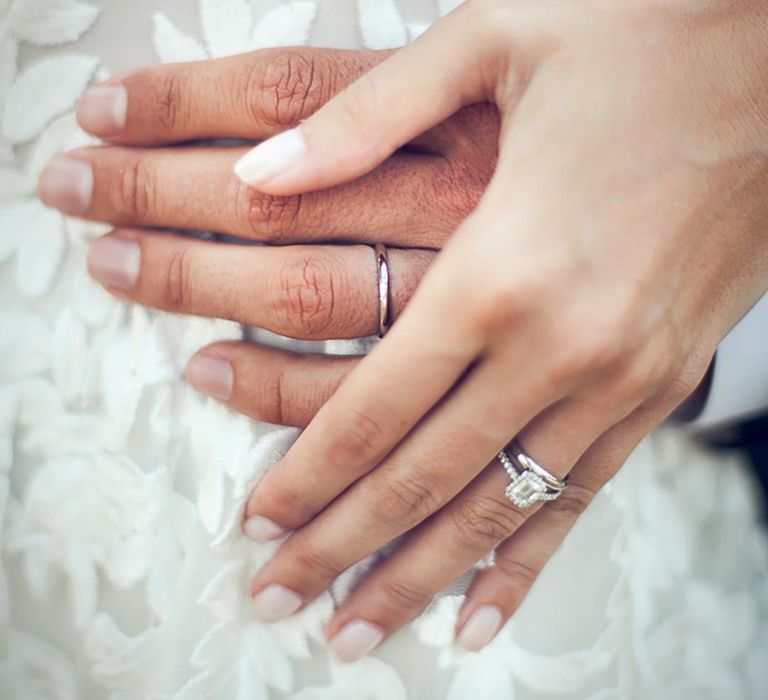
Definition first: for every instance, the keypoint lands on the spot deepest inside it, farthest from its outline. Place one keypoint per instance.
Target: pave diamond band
(530, 482)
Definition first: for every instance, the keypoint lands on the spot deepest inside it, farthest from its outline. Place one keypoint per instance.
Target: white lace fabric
(124, 574)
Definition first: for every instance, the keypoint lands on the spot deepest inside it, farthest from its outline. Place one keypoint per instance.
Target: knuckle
(178, 287)
(400, 595)
(321, 564)
(571, 503)
(286, 85)
(500, 300)
(266, 217)
(283, 498)
(642, 376)
(518, 576)
(593, 356)
(134, 194)
(168, 104)
(357, 436)
(483, 521)
(273, 397)
(307, 296)
(498, 309)
(604, 353)
(406, 497)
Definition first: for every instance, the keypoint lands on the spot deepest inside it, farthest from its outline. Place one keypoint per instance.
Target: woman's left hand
(621, 237)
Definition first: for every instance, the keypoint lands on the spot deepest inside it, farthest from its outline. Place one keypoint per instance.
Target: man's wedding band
(530, 482)
(385, 309)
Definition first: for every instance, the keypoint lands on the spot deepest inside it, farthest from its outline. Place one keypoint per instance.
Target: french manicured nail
(66, 184)
(480, 628)
(115, 262)
(355, 640)
(261, 529)
(271, 158)
(275, 602)
(103, 109)
(212, 376)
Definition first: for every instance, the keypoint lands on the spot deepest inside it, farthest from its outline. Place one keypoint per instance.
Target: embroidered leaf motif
(51, 21)
(171, 44)
(381, 24)
(287, 25)
(70, 355)
(368, 678)
(32, 102)
(25, 345)
(416, 29)
(54, 673)
(226, 25)
(41, 245)
(9, 409)
(13, 185)
(446, 6)
(90, 300)
(7, 156)
(492, 668)
(8, 54)
(14, 219)
(61, 134)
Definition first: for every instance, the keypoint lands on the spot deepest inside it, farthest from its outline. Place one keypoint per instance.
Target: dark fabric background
(751, 436)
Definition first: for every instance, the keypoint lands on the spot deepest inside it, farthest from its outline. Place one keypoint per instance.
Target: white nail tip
(261, 529)
(271, 158)
(480, 628)
(275, 602)
(355, 640)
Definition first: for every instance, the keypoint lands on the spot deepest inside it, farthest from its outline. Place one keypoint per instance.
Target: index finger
(249, 96)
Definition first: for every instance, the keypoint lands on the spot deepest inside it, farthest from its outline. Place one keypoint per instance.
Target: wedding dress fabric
(124, 573)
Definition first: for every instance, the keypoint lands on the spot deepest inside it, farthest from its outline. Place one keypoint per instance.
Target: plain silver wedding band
(385, 306)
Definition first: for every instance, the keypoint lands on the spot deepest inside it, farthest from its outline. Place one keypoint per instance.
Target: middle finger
(406, 201)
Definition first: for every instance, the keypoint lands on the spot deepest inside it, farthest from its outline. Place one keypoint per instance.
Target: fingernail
(275, 602)
(212, 376)
(103, 109)
(115, 262)
(273, 157)
(261, 529)
(480, 628)
(355, 640)
(66, 184)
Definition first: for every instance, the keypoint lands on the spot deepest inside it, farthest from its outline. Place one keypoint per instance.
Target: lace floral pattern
(124, 575)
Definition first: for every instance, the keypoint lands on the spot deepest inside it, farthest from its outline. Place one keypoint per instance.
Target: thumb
(415, 88)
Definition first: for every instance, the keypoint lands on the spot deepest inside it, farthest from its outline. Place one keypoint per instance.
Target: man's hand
(325, 290)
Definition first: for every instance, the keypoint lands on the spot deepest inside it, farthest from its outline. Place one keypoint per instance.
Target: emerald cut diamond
(526, 489)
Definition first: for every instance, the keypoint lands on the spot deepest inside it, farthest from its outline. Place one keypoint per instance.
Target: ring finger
(477, 521)
(309, 292)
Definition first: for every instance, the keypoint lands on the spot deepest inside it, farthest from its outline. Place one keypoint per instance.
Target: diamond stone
(526, 489)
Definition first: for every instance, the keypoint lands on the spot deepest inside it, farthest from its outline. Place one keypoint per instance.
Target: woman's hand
(622, 235)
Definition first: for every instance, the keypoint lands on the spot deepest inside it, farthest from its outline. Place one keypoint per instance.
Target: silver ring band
(382, 267)
(529, 481)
